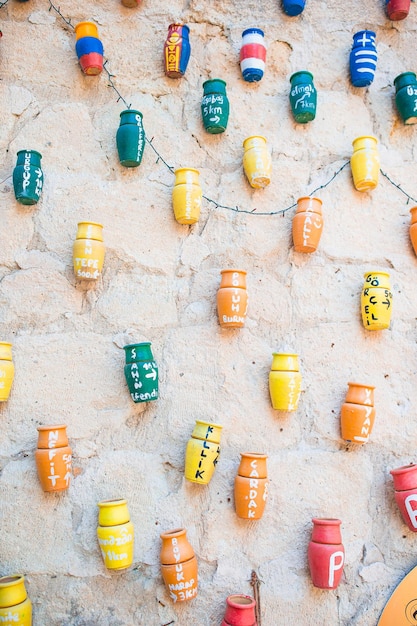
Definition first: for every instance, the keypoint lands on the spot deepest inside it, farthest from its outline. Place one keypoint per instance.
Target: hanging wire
(2, 4)
(58, 10)
(113, 86)
(398, 186)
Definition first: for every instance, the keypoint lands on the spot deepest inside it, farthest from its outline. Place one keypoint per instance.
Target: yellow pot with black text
(187, 195)
(6, 370)
(202, 452)
(376, 301)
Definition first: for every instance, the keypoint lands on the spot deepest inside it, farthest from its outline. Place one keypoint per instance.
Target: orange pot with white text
(178, 565)
(251, 486)
(232, 299)
(53, 458)
(307, 224)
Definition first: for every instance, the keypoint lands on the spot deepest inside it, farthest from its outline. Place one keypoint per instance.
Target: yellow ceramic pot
(86, 29)
(376, 301)
(115, 534)
(187, 195)
(15, 606)
(365, 163)
(202, 452)
(285, 382)
(257, 162)
(6, 370)
(88, 251)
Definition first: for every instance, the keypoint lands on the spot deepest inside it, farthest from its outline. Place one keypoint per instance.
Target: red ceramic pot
(398, 9)
(92, 63)
(405, 485)
(240, 611)
(326, 554)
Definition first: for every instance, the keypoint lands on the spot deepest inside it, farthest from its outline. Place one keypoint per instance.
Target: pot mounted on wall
(187, 195)
(202, 452)
(307, 224)
(363, 58)
(178, 565)
(88, 251)
(240, 611)
(15, 606)
(376, 301)
(232, 299)
(252, 54)
(257, 162)
(405, 485)
(115, 534)
(358, 413)
(284, 381)
(130, 138)
(28, 177)
(215, 106)
(141, 372)
(251, 486)
(89, 48)
(177, 50)
(53, 458)
(6, 370)
(326, 554)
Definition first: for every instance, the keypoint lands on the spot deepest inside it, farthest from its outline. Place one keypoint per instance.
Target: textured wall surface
(159, 284)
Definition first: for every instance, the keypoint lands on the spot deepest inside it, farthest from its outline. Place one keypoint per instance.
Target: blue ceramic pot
(86, 45)
(293, 7)
(363, 58)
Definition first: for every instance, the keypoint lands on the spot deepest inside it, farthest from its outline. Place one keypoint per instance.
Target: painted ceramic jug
(307, 224)
(89, 48)
(6, 370)
(202, 452)
(252, 54)
(397, 9)
(326, 554)
(187, 195)
(28, 177)
(364, 163)
(15, 606)
(177, 50)
(285, 381)
(376, 301)
(240, 611)
(257, 162)
(413, 228)
(141, 372)
(405, 485)
(303, 97)
(406, 96)
(130, 138)
(178, 565)
(232, 299)
(363, 58)
(88, 251)
(53, 458)
(251, 486)
(358, 413)
(215, 106)
(115, 534)
(293, 7)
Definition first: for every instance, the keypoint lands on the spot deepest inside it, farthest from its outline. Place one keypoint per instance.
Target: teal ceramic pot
(141, 372)
(130, 138)
(303, 97)
(28, 177)
(406, 96)
(215, 106)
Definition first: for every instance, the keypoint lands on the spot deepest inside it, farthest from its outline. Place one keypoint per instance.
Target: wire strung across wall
(217, 205)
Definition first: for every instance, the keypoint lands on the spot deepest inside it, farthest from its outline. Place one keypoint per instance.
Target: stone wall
(160, 283)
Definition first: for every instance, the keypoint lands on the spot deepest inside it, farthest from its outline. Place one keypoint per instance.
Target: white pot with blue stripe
(363, 58)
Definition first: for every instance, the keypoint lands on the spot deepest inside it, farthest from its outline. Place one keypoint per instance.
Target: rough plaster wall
(160, 283)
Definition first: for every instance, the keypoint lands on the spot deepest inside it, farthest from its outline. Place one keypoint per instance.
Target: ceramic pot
(91, 63)
(303, 97)
(131, 3)
(15, 606)
(413, 228)
(202, 452)
(115, 533)
(405, 485)
(28, 177)
(240, 611)
(88, 251)
(85, 29)
(358, 413)
(232, 299)
(6, 370)
(363, 58)
(406, 96)
(177, 50)
(293, 7)
(364, 163)
(376, 301)
(141, 372)
(187, 195)
(307, 224)
(326, 554)
(178, 565)
(284, 381)
(215, 106)
(53, 458)
(397, 9)
(86, 45)
(130, 138)
(252, 54)
(257, 162)
(251, 486)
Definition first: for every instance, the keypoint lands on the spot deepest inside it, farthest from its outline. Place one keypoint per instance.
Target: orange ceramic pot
(178, 565)
(357, 421)
(413, 228)
(251, 486)
(53, 458)
(307, 224)
(359, 393)
(232, 299)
